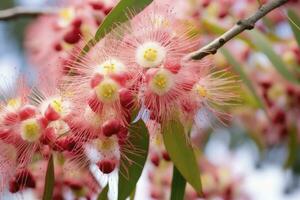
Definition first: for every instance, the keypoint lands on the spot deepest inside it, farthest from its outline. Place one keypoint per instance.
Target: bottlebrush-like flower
(103, 82)
(55, 107)
(214, 90)
(155, 43)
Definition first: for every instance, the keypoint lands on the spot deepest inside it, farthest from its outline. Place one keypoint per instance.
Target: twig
(16, 12)
(241, 25)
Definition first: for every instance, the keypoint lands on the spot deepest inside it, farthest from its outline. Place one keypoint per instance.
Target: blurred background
(259, 149)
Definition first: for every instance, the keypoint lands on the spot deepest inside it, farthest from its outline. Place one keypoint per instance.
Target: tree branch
(16, 12)
(241, 25)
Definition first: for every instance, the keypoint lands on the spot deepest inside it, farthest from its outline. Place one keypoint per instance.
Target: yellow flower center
(107, 91)
(150, 55)
(14, 103)
(107, 144)
(57, 105)
(202, 92)
(161, 82)
(30, 130)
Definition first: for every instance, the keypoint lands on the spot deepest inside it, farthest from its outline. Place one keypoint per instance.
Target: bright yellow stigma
(30, 130)
(202, 92)
(107, 91)
(150, 55)
(161, 82)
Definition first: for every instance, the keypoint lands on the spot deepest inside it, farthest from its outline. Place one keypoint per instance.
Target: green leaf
(181, 152)
(103, 194)
(237, 67)
(294, 21)
(133, 159)
(49, 180)
(264, 45)
(118, 15)
(178, 185)
(292, 148)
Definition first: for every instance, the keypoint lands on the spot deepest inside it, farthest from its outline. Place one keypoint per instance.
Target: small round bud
(107, 166)
(111, 127)
(126, 98)
(155, 159)
(73, 36)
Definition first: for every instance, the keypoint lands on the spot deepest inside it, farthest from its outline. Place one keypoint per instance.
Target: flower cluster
(84, 116)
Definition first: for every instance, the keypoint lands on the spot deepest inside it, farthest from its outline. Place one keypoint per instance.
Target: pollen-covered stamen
(150, 54)
(30, 130)
(161, 82)
(201, 90)
(110, 66)
(66, 16)
(107, 91)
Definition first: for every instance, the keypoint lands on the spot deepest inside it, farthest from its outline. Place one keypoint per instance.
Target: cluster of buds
(62, 33)
(85, 115)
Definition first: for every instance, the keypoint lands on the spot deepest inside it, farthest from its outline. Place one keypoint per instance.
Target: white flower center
(30, 130)
(150, 54)
(162, 82)
(110, 66)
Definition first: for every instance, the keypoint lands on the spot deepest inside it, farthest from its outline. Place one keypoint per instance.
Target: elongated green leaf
(103, 194)
(263, 44)
(294, 21)
(237, 67)
(178, 185)
(292, 148)
(49, 180)
(117, 16)
(182, 153)
(133, 159)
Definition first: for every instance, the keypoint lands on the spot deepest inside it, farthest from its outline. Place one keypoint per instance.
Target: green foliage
(294, 21)
(265, 46)
(237, 67)
(103, 194)
(49, 180)
(182, 153)
(178, 185)
(134, 159)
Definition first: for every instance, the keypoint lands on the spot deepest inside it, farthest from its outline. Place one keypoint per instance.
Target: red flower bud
(107, 166)
(73, 36)
(51, 114)
(126, 98)
(27, 112)
(155, 159)
(111, 127)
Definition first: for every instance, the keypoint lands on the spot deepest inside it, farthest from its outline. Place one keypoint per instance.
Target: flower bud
(27, 112)
(111, 127)
(155, 159)
(126, 98)
(107, 166)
